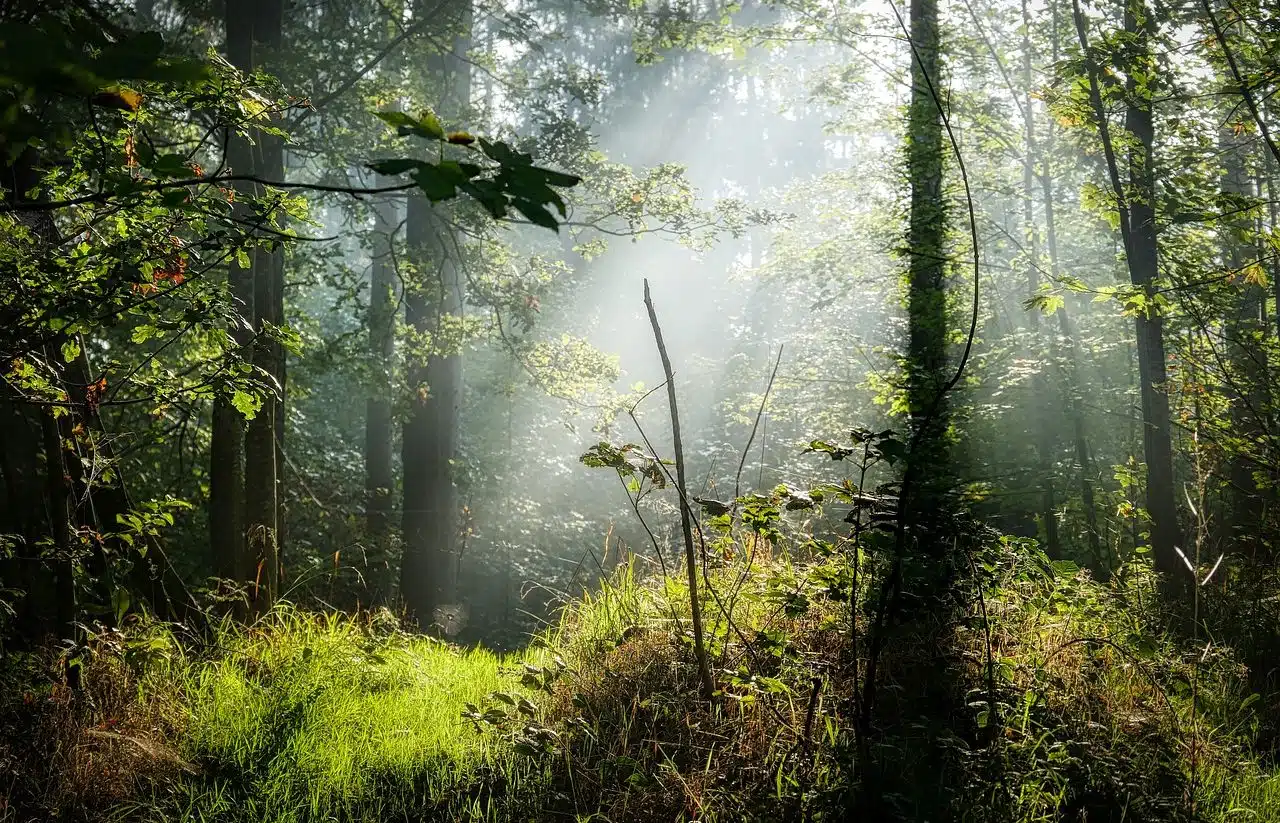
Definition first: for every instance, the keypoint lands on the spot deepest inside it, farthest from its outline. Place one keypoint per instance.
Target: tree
(244, 496)
(433, 309)
(1135, 198)
(379, 471)
(926, 249)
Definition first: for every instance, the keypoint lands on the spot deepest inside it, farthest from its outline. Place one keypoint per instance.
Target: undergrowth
(316, 717)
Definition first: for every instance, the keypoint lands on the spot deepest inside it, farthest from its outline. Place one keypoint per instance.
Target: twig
(686, 517)
(737, 478)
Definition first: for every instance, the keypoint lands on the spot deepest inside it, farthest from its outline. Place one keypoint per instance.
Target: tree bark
(1136, 205)
(1143, 259)
(428, 571)
(926, 249)
(58, 508)
(226, 452)
(379, 472)
(1244, 331)
(245, 504)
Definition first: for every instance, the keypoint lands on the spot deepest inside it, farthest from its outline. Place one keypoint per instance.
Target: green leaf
(1045, 302)
(436, 183)
(70, 351)
(1065, 568)
(536, 214)
(428, 127)
(556, 178)
(120, 602)
(143, 333)
(245, 403)
(504, 155)
(432, 126)
(488, 194)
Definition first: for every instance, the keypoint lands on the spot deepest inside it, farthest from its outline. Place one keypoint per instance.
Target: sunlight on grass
(322, 714)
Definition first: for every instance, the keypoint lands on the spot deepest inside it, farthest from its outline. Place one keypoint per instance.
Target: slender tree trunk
(1143, 258)
(226, 452)
(1136, 204)
(1244, 331)
(1042, 404)
(58, 512)
(1085, 471)
(428, 572)
(1273, 215)
(379, 472)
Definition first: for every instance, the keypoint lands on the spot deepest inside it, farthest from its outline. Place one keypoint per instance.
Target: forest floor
(307, 717)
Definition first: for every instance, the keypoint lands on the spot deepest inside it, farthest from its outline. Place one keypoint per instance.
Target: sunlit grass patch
(308, 717)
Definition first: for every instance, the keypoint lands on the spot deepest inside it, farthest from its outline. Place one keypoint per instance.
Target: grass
(308, 717)
(1104, 715)
(316, 717)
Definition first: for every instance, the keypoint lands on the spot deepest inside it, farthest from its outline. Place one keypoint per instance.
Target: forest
(632, 411)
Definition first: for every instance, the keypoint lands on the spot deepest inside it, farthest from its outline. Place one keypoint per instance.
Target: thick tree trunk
(1244, 332)
(429, 439)
(226, 452)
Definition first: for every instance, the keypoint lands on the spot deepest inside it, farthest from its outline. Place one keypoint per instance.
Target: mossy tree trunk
(926, 360)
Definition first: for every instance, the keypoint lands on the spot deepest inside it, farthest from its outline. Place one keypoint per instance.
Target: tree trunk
(58, 508)
(1085, 471)
(1143, 259)
(253, 36)
(1042, 404)
(1244, 330)
(1273, 222)
(22, 517)
(926, 274)
(428, 569)
(379, 473)
(1137, 226)
(226, 451)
